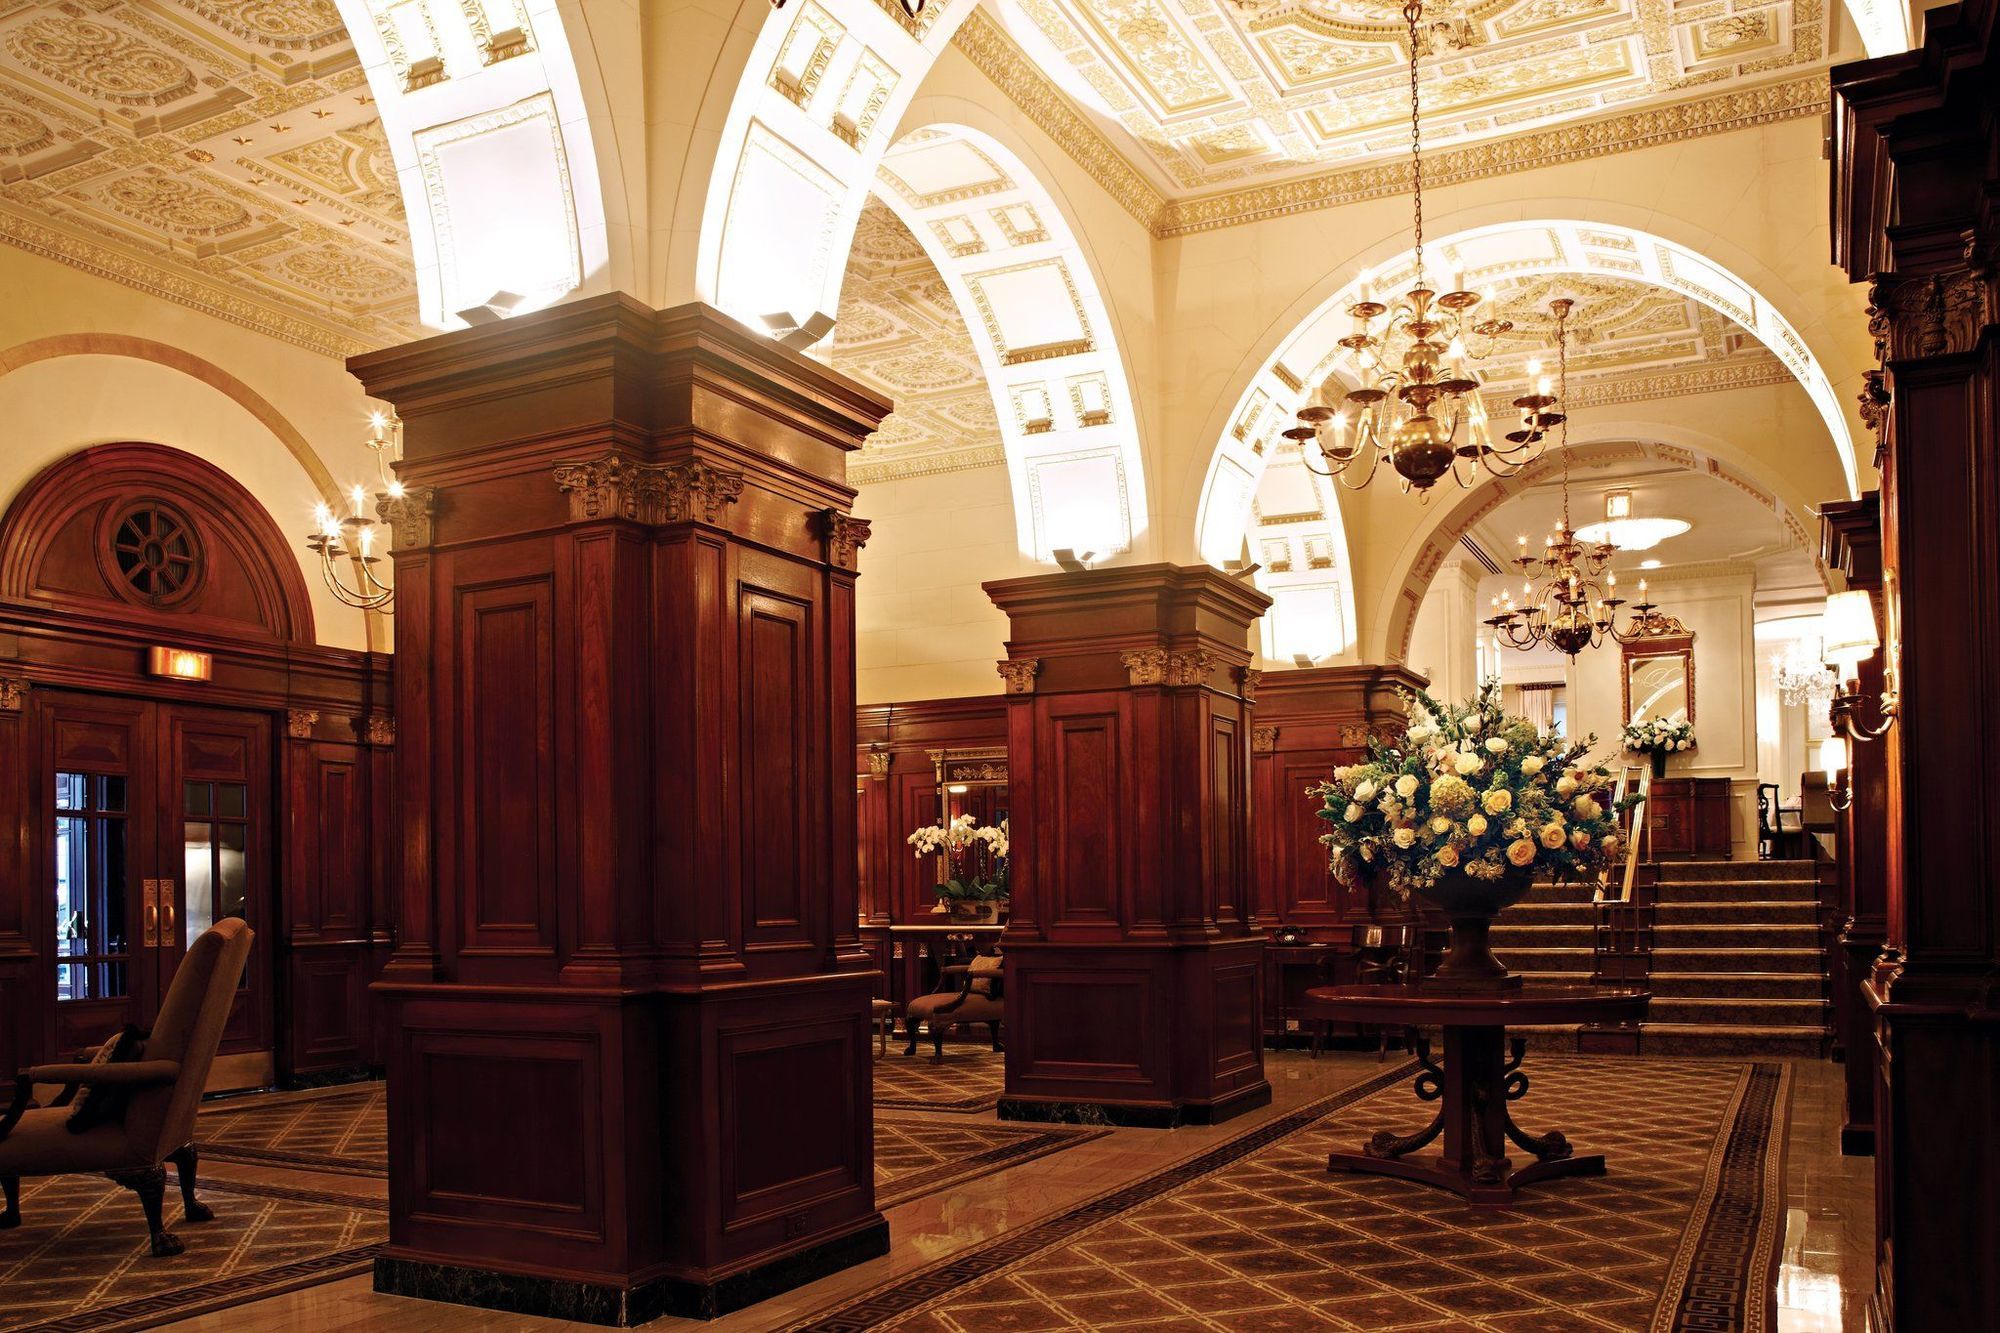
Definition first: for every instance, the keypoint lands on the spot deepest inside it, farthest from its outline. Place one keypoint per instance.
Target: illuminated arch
(1037, 316)
(488, 112)
(1418, 562)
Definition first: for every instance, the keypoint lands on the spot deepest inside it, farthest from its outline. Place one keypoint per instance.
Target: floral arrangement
(1656, 735)
(1469, 789)
(975, 857)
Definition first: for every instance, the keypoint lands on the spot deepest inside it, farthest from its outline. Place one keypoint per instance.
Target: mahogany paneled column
(1134, 973)
(1917, 212)
(628, 1018)
(1851, 541)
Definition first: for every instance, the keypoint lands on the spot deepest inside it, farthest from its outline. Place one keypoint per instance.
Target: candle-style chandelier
(1416, 403)
(1569, 599)
(351, 536)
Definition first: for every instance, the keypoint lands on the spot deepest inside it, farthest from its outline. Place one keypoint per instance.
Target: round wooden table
(1480, 1076)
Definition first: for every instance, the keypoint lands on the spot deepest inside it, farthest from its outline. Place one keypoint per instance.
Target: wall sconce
(1850, 639)
(1833, 762)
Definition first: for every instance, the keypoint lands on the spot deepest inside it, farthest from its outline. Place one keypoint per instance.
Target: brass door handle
(150, 889)
(171, 935)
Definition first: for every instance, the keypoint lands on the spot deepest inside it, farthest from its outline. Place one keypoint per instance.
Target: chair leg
(184, 1164)
(910, 1028)
(993, 1030)
(12, 1217)
(150, 1184)
(937, 1042)
(1381, 1045)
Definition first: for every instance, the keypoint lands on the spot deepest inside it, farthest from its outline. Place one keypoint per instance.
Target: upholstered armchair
(161, 1091)
(979, 997)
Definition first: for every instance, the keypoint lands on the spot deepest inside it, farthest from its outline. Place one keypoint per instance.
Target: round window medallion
(155, 555)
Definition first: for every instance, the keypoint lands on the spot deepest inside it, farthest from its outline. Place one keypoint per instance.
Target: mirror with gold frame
(971, 781)
(1659, 680)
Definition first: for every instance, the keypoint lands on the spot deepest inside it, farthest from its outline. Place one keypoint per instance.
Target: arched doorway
(161, 701)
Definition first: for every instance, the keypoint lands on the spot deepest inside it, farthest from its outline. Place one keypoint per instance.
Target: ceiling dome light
(1633, 534)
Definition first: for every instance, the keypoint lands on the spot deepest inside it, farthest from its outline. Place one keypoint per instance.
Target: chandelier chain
(1411, 13)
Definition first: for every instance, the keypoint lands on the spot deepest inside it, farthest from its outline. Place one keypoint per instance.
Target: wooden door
(156, 822)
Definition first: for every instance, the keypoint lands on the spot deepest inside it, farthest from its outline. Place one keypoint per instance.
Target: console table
(1480, 1076)
(1688, 818)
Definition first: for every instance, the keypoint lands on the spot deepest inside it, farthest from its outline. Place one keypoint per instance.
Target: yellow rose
(1553, 836)
(1476, 825)
(1498, 801)
(1406, 837)
(1521, 853)
(1440, 825)
(1448, 856)
(1585, 808)
(1579, 839)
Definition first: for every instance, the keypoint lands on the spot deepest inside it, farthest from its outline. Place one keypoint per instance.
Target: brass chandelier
(351, 536)
(1569, 600)
(1417, 403)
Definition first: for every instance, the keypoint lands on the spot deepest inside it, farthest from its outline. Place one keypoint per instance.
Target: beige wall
(85, 361)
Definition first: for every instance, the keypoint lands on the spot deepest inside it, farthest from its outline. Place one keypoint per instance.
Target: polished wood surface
(1480, 1075)
(291, 718)
(1851, 542)
(1134, 967)
(1916, 213)
(1688, 818)
(629, 1001)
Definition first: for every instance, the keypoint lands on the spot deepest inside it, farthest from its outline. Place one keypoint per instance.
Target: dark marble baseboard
(624, 1307)
(1130, 1115)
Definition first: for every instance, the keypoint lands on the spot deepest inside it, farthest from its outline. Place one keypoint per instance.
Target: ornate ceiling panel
(222, 153)
(1217, 93)
(900, 332)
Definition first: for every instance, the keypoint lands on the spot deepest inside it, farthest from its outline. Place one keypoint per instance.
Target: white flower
(1418, 735)
(1468, 764)
(1579, 839)
(1440, 825)
(1476, 825)
(1406, 786)
(1585, 808)
(1406, 837)
(1565, 786)
(1365, 792)
(1496, 745)
(1472, 724)
(1354, 812)
(1533, 764)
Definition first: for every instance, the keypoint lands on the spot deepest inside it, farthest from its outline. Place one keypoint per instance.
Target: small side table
(1284, 958)
(1480, 1076)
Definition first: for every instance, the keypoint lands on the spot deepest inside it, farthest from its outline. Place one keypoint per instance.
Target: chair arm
(125, 1074)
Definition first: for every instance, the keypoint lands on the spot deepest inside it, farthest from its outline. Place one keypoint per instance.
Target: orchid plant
(975, 857)
(1468, 789)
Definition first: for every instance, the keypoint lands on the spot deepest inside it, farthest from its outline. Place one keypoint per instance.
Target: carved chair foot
(166, 1245)
(150, 1184)
(194, 1209)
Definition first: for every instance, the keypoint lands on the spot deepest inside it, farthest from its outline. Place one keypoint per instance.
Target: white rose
(1468, 764)
(1354, 812)
(1406, 837)
(1533, 764)
(1406, 786)
(1365, 792)
(1418, 735)
(1496, 745)
(1440, 825)
(1565, 785)
(1472, 726)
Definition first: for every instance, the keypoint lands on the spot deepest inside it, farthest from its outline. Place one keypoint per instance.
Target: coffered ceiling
(221, 153)
(1230, 92)
(899, 331)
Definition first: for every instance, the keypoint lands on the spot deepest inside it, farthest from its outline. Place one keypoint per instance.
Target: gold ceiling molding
(219, 299)
(1786, 100)
(1747, 373)
(999, 59)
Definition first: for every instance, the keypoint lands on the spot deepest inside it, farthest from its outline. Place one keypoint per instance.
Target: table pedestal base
(1480, 1076)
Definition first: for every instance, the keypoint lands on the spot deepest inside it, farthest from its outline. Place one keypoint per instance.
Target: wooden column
(1133, 968)
(1917, 186)
(628, 1026)
(1851, 541)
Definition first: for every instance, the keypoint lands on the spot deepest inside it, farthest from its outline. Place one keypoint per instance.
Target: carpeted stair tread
(1802, 912)
(1682, 935)
(1736, 1011)
(1736, 985)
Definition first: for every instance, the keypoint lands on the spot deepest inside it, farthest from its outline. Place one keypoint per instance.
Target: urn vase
(1470, 905)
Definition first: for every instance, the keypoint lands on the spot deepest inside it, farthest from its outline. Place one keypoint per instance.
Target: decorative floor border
(902, 1295)
(1018, 1145)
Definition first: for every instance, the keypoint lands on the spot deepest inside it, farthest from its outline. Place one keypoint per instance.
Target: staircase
(1737, 968)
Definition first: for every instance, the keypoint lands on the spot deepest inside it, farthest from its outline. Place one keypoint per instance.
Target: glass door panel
(93, 948)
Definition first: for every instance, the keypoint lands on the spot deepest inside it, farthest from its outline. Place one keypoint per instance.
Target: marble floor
(1823, 1284)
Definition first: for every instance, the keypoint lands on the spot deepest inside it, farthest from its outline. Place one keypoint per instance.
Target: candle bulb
(1458, 279)
(367, 540)
(1642, 587)
(1542, 386)
(357, 497)
(1364, 286)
